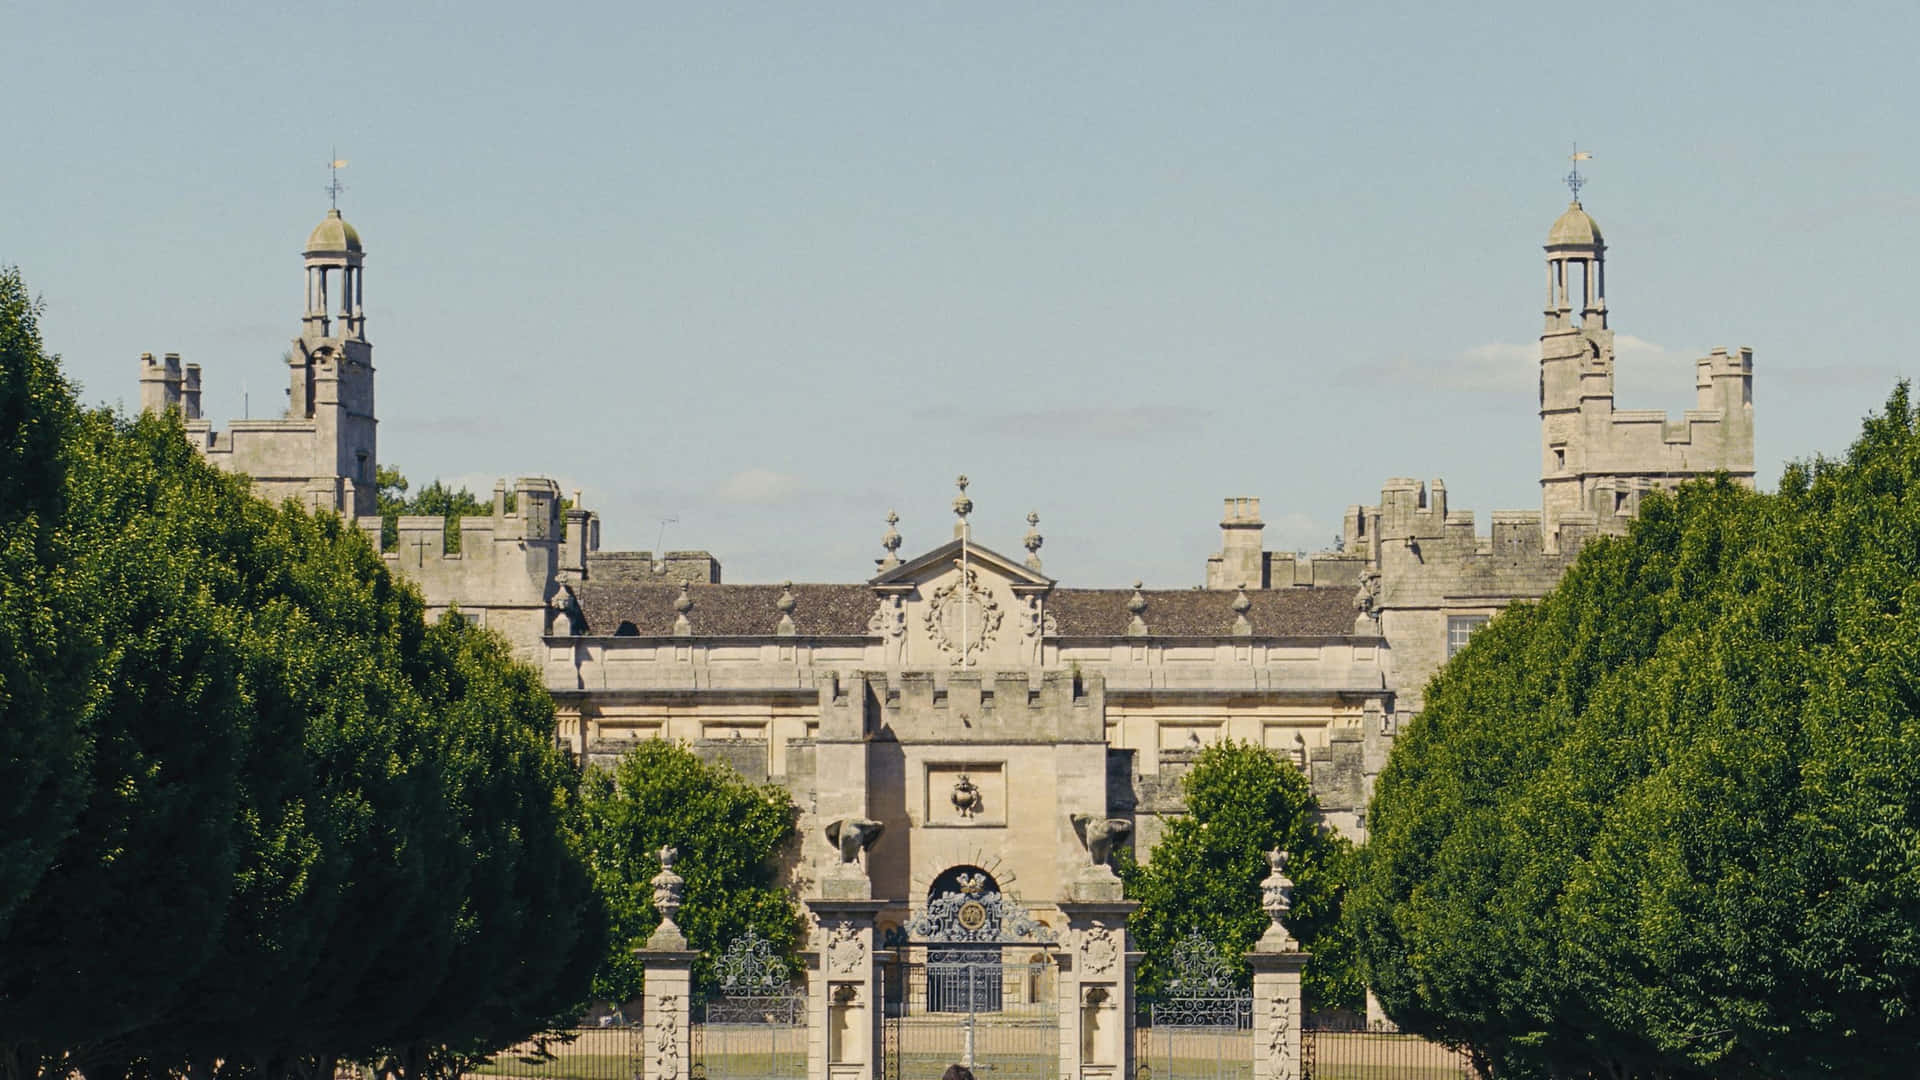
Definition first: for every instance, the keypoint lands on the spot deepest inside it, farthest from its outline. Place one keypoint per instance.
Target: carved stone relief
(1101, 949)
(963, 617)
(1280, 1056)
(845, 951)
(666, 1029)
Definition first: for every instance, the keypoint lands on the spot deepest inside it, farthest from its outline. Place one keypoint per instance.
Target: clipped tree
(730, 835)
(1665, 822)
(1204, 875)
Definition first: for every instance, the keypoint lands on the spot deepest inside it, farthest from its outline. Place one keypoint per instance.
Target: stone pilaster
(843, 994)
(1096, 982)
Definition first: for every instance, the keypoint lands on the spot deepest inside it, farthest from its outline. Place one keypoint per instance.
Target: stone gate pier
(1277, 961)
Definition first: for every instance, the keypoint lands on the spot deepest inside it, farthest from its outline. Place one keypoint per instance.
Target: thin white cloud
(1512, 369)
(1122, 422)
(760, 486)
(1296, 531)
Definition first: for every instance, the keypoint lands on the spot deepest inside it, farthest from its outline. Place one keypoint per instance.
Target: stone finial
(890, 542)
(1276, 896)
(683, 603)
(1242, 605)
(1033, 540)
(785, 606)
(962, 506)
(668, 890)
(1137, 603)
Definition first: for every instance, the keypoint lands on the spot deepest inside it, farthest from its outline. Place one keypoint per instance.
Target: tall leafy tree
(1665, 823)
(729, 834)
(47, 647)
(284, 820)
(1204, 875)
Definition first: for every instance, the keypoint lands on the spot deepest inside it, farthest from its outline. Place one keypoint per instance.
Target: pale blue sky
(775, 268)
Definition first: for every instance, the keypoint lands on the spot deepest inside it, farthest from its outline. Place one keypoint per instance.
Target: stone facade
(963, 700)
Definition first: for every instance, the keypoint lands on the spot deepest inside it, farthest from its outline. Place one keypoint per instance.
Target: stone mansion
(958, 696)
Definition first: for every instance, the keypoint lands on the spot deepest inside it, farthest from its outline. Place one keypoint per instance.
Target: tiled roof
(843, 610)
(727, 610)
(1203, 612)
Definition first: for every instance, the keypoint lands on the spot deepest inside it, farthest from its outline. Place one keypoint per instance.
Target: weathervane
(334, 186)
(1574, 180)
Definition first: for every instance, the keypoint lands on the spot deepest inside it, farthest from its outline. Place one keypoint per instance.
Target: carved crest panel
(962, 617)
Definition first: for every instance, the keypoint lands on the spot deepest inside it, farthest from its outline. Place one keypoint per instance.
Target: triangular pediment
(979, 559)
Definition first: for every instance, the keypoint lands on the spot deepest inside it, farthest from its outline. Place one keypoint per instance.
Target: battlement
(963, 707)
(643, 568)
(509, 563)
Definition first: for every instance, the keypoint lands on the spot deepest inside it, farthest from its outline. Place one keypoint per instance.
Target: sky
(750, 275)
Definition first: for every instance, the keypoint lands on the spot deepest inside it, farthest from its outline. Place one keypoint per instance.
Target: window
(1459, 629)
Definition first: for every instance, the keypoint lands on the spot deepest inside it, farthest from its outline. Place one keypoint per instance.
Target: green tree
(47, 650)
(299, 824)
(730, 835)
(1667, 822)
(1204, 875)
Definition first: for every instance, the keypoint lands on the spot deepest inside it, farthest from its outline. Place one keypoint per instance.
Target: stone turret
(1596, 460)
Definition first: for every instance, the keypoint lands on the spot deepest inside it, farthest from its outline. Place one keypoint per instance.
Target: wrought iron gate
(755, 1028)
(1200, 1027)
(976, 985)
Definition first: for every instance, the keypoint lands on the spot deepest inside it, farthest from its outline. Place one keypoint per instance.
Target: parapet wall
(1000, 707)
(509, 563)
(642, 568)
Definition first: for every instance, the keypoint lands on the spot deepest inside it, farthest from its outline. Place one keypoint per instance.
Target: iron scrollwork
(755, 985)
(977, 917)
(1203, 991)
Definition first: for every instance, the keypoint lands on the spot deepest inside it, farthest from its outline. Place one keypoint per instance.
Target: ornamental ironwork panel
(1202, 990)
(749, 967)
(977, 916)
(755, 1027)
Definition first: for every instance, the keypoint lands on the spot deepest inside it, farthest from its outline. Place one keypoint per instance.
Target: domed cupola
(333, 254)
(1575, 250)
(1574, 229)
(333, 236)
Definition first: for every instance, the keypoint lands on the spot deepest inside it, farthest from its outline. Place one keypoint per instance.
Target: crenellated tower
(1597, 461)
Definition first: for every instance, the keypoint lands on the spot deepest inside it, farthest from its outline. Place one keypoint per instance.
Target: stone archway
(963, 976)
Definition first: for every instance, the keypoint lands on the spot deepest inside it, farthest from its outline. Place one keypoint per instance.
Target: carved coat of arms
(963, 616)
(845, 951)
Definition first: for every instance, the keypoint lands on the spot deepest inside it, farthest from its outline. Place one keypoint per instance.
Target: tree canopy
(1204, 875)
(730, 835)
(274, 817)
(1667, 821)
